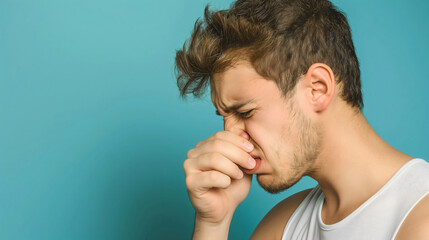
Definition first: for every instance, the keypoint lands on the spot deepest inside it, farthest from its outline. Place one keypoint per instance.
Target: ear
(319, 86)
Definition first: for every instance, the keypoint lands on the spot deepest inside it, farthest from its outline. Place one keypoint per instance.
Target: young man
(285, 77)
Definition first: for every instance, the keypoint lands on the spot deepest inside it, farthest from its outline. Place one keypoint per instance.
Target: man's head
(280, 38)
(271, 65)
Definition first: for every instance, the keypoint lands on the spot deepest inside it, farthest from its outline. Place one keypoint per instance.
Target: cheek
(271, 133)
(264, 131)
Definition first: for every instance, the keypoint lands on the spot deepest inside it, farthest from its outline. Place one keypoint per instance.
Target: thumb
(244, 135)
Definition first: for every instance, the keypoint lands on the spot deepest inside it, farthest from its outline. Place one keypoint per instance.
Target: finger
(228, 150)
(203, 181)
(244, 135)
(240, 141)
(215, 161)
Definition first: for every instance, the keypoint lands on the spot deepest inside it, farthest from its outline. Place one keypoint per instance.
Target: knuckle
(218, 134)
(199, 144)
(189, 153)
(186, 165)
(188, 182)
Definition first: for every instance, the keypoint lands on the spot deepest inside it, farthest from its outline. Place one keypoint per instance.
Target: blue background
(93, 133)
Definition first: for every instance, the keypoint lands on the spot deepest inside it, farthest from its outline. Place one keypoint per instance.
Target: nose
(235, 126)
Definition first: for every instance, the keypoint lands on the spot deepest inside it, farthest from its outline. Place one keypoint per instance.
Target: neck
(354, 163)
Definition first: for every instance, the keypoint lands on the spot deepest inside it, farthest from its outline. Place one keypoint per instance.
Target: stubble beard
(306, 151)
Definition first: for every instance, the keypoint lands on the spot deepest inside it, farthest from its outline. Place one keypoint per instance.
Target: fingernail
(240, 174)
(252, 162)
(248, 146)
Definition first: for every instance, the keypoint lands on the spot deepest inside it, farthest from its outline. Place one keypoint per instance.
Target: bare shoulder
(415, 226)
(274, 222)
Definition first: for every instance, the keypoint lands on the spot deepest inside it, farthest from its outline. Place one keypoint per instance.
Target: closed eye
(245, 115)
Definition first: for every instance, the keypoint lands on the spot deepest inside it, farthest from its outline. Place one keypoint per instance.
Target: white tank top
(380, 217)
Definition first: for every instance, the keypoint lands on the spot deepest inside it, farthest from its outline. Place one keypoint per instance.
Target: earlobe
(321, 85)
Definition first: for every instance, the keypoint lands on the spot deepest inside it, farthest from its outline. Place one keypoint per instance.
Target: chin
(276, 184)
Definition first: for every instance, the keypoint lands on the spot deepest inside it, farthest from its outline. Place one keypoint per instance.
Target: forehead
(240, 83)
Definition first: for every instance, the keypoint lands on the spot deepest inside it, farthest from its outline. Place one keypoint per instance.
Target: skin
(313, 132)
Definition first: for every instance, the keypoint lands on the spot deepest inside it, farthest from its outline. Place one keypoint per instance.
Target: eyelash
(245, 115)
(242, 115)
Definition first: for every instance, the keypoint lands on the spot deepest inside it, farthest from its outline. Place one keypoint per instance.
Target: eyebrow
(236, 106)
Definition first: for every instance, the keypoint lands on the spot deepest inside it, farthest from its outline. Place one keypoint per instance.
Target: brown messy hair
(280, 38)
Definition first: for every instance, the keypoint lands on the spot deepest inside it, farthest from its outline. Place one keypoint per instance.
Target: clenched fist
(214, 178)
